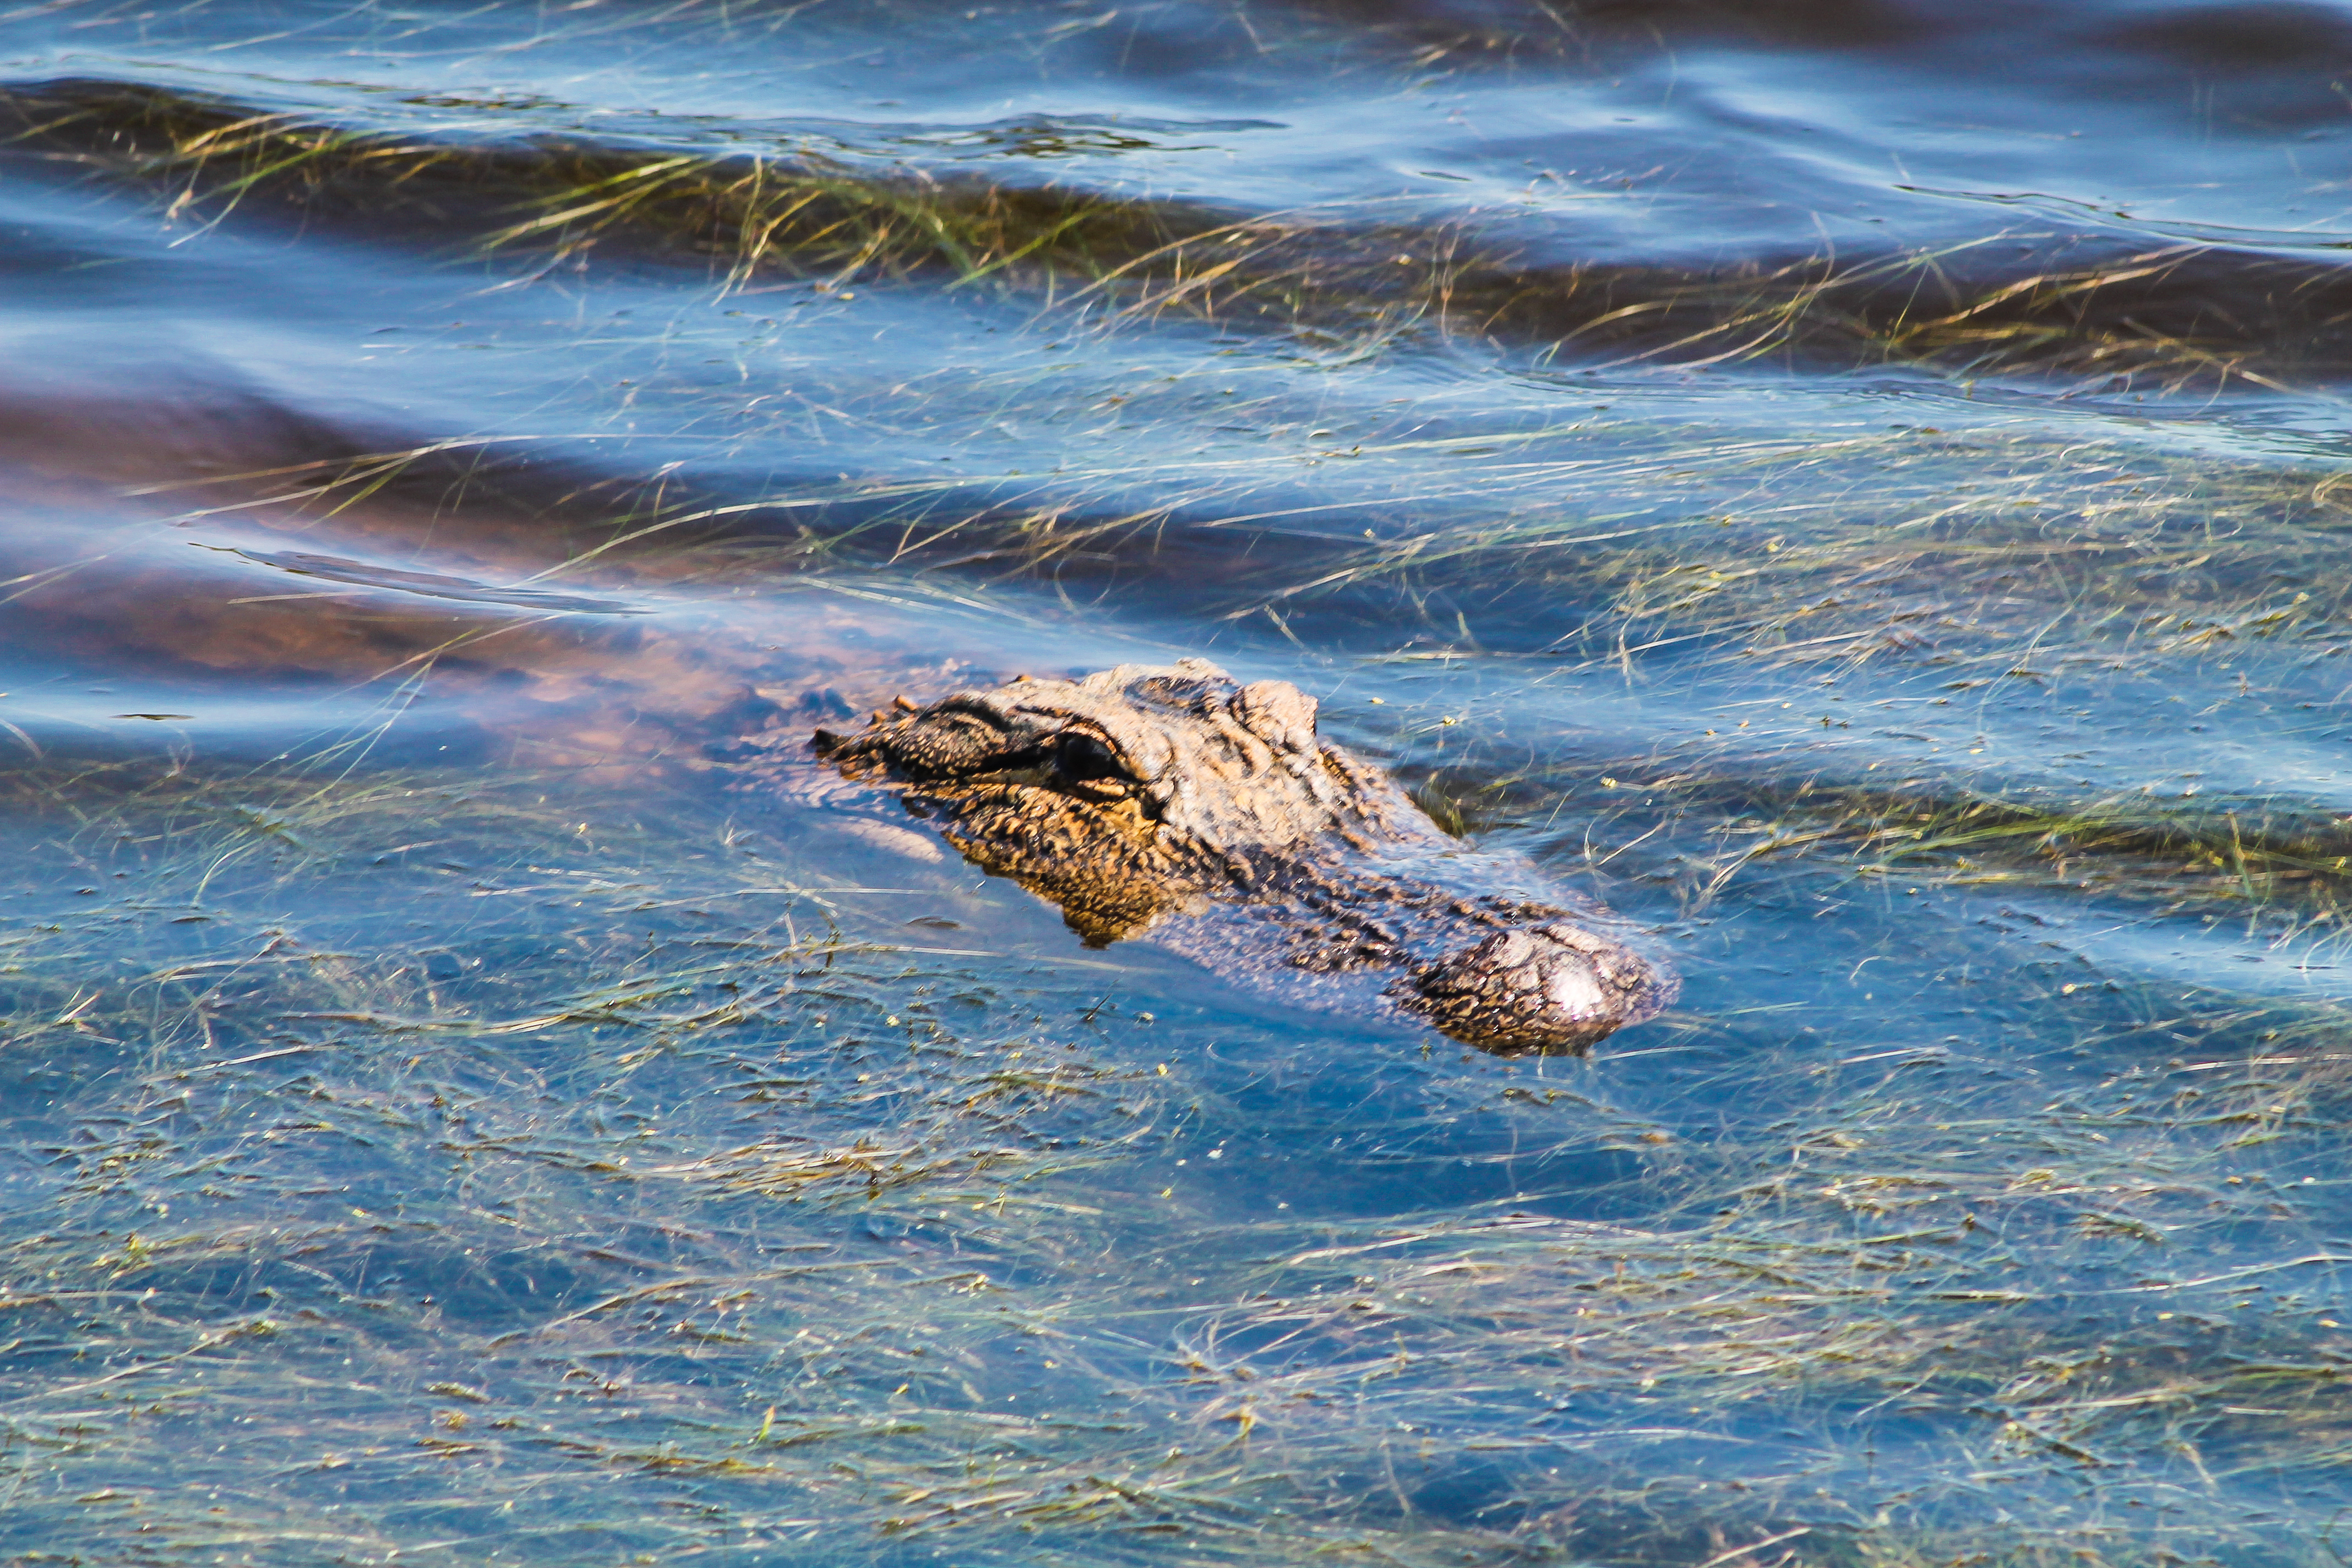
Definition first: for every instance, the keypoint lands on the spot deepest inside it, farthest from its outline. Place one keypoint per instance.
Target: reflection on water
(1858, 487)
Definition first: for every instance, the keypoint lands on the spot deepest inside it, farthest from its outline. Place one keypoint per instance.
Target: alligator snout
(1552, 987)
(1172, 804)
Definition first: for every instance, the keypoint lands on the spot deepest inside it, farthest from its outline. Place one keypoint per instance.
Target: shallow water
(1859, 487)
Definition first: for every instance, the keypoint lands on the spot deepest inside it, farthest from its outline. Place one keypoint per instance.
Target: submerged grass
(2277, 866)
(2049, 575)
(2010, 575)
(2003, 553)
(2100, 309)
(497, 1168)
(465, 1173)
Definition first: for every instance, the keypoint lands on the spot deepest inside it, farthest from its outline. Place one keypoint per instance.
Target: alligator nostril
(1511, 949)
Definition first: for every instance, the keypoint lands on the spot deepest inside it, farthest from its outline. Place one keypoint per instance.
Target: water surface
(1860, 487)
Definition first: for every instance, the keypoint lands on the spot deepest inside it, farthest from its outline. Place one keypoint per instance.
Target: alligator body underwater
(1172, 804)
(1169, 804)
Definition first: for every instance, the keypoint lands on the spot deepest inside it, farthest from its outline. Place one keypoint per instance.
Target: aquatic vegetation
(451, 1108)
(2100, 305)
(671, 1178)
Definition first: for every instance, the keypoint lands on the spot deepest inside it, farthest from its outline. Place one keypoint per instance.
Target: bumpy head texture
(1550, 987)
(1120, 796)
(1140, 792)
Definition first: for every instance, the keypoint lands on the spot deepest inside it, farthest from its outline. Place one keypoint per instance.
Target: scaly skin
(1172, 804)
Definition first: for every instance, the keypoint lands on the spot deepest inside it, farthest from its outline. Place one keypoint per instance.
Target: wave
(2103, 305)
(432, 585)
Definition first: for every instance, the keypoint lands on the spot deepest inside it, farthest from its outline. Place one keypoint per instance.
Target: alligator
(1175, 805)
(1169, 804)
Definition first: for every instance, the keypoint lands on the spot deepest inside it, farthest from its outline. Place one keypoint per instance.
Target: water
(1861, 489)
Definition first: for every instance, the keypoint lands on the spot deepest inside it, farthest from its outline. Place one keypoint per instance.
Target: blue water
(1861, 489)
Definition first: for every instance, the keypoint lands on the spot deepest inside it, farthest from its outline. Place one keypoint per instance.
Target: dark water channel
(1861, 488)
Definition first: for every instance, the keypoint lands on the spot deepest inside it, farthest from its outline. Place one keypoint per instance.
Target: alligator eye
(1084, 757)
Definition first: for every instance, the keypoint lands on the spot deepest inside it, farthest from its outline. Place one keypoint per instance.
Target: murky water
(1861, 489)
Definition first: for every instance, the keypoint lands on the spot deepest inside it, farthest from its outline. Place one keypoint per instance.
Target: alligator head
(1173, 804)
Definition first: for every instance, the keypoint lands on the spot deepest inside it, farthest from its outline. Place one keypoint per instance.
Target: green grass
(655, 1190)
(1345, 279)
